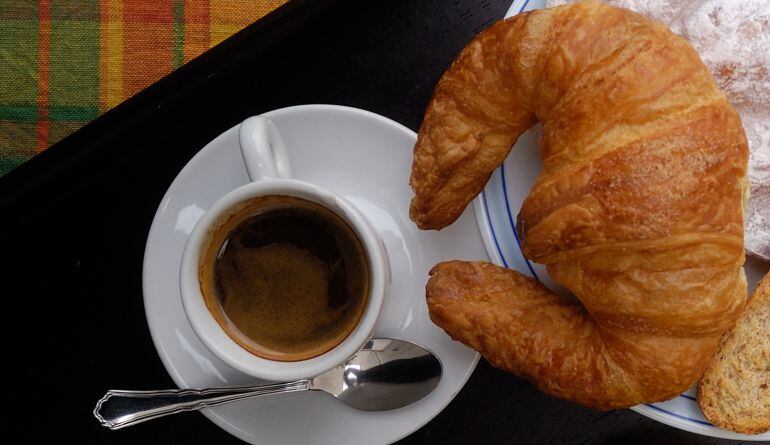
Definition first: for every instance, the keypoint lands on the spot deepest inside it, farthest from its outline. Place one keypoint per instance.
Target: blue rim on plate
(495, 208)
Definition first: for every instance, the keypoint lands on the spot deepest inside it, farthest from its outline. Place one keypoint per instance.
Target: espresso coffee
(286, 278)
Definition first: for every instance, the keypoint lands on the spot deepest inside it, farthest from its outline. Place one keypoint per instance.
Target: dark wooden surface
(75, 220)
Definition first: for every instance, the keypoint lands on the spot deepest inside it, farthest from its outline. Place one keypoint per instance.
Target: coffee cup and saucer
(340, 174)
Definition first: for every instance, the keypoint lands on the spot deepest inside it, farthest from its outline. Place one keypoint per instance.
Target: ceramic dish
(496, 210)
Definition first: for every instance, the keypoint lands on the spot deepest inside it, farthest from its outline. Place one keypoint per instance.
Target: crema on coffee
(285, 278)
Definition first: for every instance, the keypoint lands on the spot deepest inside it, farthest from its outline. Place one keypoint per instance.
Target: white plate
(367, 159)
(496, 210)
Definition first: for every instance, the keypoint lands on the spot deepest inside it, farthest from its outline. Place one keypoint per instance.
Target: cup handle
(262, 148)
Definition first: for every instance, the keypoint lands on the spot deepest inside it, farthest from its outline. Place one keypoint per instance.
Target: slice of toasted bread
(734, 392)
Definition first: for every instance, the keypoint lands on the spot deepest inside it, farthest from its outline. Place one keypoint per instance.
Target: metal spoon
(386, 374)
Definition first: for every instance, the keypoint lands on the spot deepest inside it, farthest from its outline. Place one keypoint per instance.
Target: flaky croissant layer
(638, 209)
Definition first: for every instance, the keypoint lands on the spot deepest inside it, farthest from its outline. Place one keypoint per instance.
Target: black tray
(75, 220)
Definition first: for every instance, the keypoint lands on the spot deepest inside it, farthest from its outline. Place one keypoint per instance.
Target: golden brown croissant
(638, 210)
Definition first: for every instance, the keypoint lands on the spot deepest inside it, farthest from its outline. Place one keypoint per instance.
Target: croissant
(638, 209)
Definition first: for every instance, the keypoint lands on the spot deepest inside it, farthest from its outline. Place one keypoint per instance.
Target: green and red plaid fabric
(62, 63)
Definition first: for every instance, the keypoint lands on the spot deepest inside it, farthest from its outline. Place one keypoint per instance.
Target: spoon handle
(119, 409)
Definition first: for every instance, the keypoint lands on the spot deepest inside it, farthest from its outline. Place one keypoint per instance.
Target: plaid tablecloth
(64, 62)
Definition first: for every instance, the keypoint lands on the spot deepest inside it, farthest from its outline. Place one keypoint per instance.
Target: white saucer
(496, 209)
(366, 158)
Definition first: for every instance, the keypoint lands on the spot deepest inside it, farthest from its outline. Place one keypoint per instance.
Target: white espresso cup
(267, 163)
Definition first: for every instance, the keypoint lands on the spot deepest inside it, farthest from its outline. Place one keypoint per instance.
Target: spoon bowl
(386, 374)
